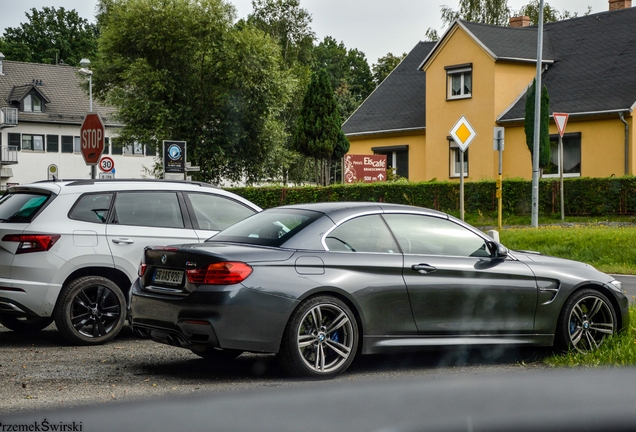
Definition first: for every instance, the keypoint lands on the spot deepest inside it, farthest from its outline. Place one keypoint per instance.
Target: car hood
(531, 258)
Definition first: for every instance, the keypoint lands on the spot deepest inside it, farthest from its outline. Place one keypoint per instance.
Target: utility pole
(537, 123)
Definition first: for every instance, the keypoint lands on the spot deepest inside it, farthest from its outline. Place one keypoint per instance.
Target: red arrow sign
(92, 138)
(561, 119)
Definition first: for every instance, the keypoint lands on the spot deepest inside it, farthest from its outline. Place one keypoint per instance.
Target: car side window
(214, 212)
(153, 209)
(362, 234)
(429, 235)
(92, 208)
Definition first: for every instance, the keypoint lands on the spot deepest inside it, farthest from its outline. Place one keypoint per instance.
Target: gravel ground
(41, 371)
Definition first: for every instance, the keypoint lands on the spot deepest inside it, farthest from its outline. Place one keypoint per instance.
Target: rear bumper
(227, 317)
(20, 297)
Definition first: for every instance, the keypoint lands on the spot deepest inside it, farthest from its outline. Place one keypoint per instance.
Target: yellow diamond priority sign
(463, 133)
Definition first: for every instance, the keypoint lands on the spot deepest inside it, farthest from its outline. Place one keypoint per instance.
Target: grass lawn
(616, 351)
(610, 249)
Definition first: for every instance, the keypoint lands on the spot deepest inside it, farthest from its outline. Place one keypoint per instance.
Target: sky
(375, 27)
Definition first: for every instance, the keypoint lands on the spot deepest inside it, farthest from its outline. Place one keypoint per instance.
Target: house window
(397, 158)
(67, 144)
(14, 140)
(33, 142)
(151, 150)
(134, 149)
(455, 158)
(571, 156)
(32, 103)
(460, 81)
(52, 143)
(106, 145)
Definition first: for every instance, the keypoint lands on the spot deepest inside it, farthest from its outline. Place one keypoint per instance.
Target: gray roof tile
(61, 85)
(594, 68)
(399, 102)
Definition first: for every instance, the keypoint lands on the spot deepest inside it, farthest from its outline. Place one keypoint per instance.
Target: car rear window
(269, 228)
(21, 207)
(92, 208)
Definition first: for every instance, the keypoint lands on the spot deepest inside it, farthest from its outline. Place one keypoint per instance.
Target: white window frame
(454, 152)
(558, 164)
(462, 72)
(77, 144)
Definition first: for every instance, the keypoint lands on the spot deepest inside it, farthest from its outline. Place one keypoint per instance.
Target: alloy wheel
(590, 321)
(325, 338)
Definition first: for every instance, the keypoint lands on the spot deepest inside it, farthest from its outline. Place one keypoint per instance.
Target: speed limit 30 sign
(106, 164)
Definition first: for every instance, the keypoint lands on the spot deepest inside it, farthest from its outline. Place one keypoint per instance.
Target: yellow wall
(415, 140)
(602, 148)
(496, 86)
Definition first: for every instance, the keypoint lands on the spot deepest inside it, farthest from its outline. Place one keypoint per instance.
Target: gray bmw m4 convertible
(321, 283)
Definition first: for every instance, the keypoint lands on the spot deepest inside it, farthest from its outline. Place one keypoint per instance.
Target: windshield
(20, 207)
(269, 228)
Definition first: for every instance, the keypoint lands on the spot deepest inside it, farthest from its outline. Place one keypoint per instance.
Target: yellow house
(482, 72)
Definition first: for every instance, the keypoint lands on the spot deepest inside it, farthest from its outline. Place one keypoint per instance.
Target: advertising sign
(364, 168)
(174, 157)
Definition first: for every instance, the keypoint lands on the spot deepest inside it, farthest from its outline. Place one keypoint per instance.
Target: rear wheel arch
(115, 275)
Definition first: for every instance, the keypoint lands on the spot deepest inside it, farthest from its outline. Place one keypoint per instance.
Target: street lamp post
(85, 63)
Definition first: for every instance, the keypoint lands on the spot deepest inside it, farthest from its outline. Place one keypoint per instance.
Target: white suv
(69, 250)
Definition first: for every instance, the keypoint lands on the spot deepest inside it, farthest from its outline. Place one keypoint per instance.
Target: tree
(288, 24)
(385, 66)
(544, 126)
(318, 133)
(348, 71)
(431, 35)
(179, 69)
(550, 14)
(51, 35)
(494, 12)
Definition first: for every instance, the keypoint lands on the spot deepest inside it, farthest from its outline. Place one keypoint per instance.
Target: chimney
(520, 21)
(1, 58)
(619, 4)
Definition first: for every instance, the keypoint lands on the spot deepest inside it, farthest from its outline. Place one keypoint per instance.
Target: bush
(583, 196)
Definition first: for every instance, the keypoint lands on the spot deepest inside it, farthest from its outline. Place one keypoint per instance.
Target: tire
(586, 319)
(91, 310)
(215, 355)
(321, 338)
(25, 324)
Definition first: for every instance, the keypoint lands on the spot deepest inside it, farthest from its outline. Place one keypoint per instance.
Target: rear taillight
(32, 242)
(142, 269)
(221, 273)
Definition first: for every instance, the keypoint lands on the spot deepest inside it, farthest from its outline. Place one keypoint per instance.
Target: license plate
(170, 277)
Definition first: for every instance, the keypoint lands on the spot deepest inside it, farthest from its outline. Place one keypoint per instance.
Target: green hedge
(583, 196)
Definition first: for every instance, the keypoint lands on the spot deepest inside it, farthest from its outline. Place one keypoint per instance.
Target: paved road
(40, 371)
(629, 285)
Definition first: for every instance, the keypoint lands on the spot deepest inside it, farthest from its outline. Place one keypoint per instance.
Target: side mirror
(497, 250)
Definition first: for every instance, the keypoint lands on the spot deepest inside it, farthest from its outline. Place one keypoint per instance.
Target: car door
(364, 259)
(145, 218)
(212, 213)
(454, 285)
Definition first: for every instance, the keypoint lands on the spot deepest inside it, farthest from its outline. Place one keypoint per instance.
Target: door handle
(423, 268)
(123, 241)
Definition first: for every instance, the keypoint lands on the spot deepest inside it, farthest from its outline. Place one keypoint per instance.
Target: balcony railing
(9, 155)
(8, 117)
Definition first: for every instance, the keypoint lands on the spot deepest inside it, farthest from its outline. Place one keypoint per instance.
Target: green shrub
(583, 196)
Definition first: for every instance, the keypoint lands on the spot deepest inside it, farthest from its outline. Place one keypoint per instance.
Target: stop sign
(92, 138)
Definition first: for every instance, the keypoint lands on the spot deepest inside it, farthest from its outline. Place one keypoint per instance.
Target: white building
(41, 111)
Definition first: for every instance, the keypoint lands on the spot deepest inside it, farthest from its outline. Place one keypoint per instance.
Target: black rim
(95, 311)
